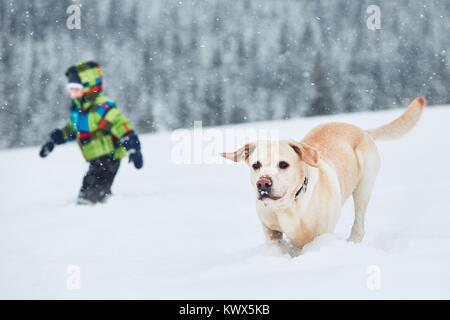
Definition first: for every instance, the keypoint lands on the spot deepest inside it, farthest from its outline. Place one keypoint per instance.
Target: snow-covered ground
(190, 231)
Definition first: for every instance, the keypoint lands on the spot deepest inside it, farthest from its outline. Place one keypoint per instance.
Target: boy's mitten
(46, 149)
(56, 137)
(132, 144)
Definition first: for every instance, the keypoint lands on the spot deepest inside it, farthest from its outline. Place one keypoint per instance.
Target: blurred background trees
(169, 63)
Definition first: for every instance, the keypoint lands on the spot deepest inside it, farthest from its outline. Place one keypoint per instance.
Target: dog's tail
(402, 125)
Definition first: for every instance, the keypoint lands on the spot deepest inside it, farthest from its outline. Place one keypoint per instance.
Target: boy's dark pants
(98, 180)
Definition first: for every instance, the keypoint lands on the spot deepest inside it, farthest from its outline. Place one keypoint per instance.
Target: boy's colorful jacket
(95, 122)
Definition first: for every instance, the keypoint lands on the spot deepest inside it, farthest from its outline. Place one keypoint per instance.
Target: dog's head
(278, 168)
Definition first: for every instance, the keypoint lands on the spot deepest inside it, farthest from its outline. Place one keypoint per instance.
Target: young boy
(103, 133)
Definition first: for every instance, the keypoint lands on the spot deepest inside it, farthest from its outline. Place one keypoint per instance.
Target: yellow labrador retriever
(301, 186)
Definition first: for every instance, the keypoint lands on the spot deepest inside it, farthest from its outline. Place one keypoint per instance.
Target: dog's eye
(256, 165)
(283, 165)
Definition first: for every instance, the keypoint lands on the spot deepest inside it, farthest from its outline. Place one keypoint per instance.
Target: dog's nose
(264, 184)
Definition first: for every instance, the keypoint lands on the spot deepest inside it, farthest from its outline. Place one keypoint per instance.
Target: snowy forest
(169, 63)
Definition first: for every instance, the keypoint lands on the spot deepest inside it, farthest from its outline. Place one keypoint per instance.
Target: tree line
(170, 63)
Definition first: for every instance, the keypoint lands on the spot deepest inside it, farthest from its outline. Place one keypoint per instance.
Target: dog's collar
(303, 188)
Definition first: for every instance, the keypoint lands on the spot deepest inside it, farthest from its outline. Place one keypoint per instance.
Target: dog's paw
(355, 237)
(276, 248)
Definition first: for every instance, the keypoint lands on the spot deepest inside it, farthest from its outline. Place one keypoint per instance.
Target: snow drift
(190, 231)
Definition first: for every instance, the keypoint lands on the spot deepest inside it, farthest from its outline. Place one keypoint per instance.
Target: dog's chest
(288, 223)
(297, 229)
(269, 219)
(280, 221)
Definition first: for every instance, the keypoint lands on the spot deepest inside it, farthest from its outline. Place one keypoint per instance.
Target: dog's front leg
(276, 237)
(272, 235)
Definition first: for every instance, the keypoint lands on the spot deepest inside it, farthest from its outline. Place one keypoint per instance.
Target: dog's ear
(307, 153)
(240, 154)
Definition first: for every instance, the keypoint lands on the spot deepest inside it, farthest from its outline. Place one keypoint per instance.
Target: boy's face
(75, 93)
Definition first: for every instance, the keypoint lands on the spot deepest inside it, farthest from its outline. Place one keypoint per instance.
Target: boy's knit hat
(88, 74)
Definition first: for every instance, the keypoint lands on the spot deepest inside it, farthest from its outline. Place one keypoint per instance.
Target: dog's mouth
(263, 195)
